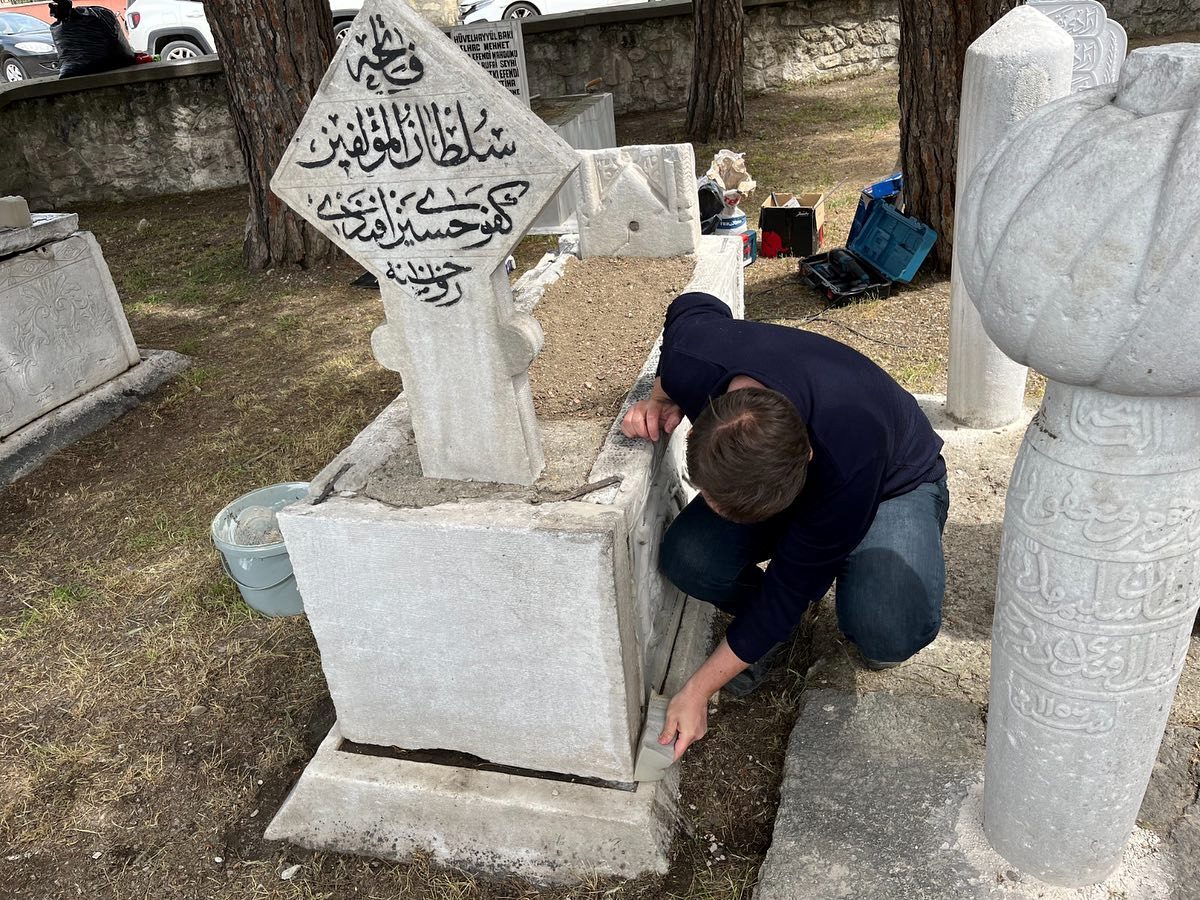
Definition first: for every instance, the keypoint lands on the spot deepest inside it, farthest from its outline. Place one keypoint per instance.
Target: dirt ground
(596, 348)
(150, 724)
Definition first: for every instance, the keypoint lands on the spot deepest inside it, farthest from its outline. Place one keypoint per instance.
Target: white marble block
(638, 201)
(14, 213)
(62, 329)
(423, 168)
(1100, 42)
(498, 630)
(1019, 64)
(1084, 264)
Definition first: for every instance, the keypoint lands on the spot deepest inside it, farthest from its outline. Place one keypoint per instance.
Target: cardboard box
(800, 227)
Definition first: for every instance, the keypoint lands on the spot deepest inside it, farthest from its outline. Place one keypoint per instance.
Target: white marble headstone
(1100, 42)
(428, 172)
(62, 329)
(638, 201)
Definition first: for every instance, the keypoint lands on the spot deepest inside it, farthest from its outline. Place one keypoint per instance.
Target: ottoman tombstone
(504, 635)
(424, 169)
(1019, 64)
(1100, 42)
(68, 361)
(1098, 572)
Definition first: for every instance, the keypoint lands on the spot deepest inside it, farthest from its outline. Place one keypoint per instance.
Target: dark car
(26, 48)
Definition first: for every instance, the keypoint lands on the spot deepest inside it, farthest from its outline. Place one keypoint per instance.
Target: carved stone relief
(62, 329)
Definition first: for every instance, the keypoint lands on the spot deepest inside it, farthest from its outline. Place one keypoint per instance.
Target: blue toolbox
(887, 189)
(889, 247)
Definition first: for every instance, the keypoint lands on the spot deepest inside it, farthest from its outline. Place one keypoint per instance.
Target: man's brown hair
(748, 453)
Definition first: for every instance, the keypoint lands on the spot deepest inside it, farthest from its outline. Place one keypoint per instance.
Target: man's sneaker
(876, 666)
(751, 678)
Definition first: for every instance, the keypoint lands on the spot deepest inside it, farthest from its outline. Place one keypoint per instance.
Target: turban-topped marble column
(1085, 265)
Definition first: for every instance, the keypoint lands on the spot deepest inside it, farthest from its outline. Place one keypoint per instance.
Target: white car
(471, 11)
(178, 29)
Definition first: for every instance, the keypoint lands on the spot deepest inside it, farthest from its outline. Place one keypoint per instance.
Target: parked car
(26, 48)
(470, 11)
(178, 29)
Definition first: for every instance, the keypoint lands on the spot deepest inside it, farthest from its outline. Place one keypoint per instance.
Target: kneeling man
(807, 454)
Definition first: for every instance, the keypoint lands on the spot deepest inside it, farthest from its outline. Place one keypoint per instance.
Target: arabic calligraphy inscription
(1100, 42)
(427, 171)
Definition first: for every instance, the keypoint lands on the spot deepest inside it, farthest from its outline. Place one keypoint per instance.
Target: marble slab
(638, 201)
(62, 328)
(46, 227)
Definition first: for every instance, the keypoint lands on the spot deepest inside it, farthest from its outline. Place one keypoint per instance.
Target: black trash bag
(712, 201)
(89, 39)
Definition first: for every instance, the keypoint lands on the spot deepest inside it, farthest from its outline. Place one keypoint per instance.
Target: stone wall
(646, 61)
(165, 128)
(1151, 17)
(155, 129)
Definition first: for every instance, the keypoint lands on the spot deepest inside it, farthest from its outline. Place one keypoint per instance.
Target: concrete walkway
(882, 790)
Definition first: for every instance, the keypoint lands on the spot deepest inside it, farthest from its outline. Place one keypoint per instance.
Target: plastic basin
(262, 573)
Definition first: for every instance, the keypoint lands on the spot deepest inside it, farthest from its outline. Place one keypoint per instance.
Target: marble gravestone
(64, 331)
(1098, 587)
(68, 361)
(425, 170)
(524, 627)
(1019, 64)
(638, 201)
(1100, 42)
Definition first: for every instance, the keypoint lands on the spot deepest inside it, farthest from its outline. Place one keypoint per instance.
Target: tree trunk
(934, 36)
(275, 53)
(715, 102)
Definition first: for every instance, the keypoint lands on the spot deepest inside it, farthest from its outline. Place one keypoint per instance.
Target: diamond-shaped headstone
(420, 166)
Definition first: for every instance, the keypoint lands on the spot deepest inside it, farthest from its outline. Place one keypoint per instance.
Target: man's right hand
(649, 418)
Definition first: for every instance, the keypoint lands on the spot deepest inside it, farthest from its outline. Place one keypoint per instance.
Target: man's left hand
(687, 720)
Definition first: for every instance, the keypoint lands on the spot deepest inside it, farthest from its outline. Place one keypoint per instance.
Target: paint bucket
(263, 573)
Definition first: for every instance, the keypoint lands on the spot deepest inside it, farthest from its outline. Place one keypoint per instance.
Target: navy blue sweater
(870, 442)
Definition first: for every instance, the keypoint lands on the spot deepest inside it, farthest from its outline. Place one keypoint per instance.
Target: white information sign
(499, 48)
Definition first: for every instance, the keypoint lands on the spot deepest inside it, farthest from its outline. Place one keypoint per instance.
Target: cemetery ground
(150, 724)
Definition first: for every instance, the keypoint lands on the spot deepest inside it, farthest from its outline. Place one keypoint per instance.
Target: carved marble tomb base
(522, 626)
(1096, 599)
(488, 821)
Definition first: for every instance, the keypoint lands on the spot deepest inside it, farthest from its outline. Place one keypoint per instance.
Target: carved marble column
(1094, 610)
(1085, 264)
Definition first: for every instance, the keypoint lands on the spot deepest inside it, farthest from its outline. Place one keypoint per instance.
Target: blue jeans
(889, 589)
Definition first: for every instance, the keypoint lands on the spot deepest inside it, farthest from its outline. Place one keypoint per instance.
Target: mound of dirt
(601, 320)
